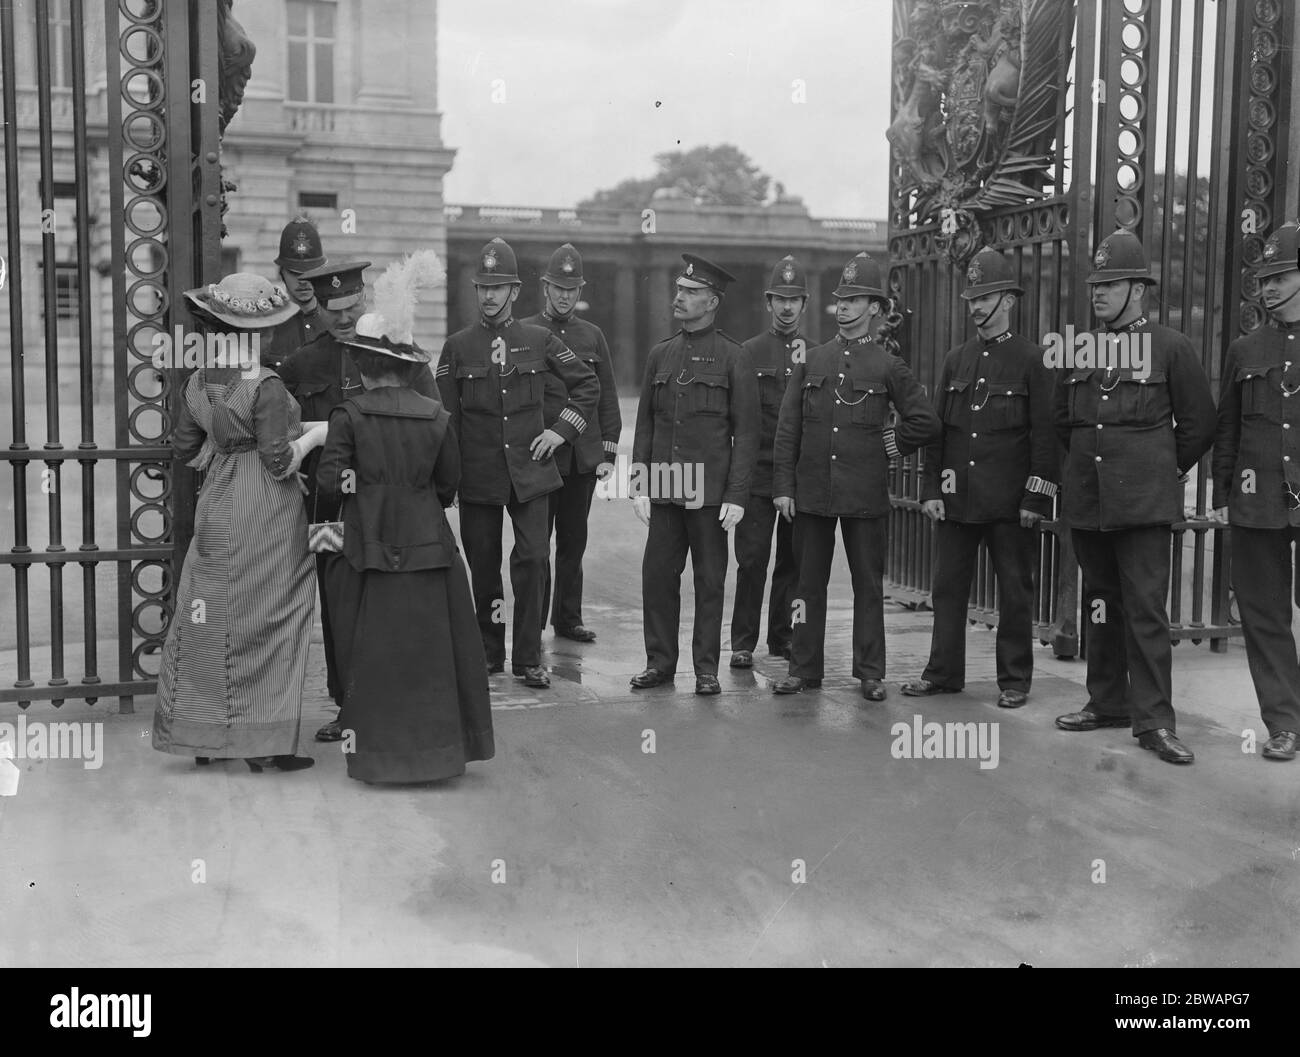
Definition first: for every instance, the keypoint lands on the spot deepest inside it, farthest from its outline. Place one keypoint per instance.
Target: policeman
(774, 354)
(1134, 411)
(300, 251)
(492, 375)
(591, 455)
(991, 477)
(1257, 486)
(697, 429)
(832, 464)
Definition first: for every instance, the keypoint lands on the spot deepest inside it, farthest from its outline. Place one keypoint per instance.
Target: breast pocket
(475, 386)
(956, 402)
(769, 387)
(1259, 398)
(1081, 398)
(711, 394)
(869, 404)
(1008, 405)
(813, 396)
(524, 387)
(659, 393)
(1141, 401)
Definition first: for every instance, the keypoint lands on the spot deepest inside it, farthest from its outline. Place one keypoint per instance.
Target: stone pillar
(625, 351)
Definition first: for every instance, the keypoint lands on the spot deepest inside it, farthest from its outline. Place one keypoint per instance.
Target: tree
(722, 175)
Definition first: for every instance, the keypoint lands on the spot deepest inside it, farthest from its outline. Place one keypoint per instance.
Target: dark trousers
(1262, 575)
(1130, 658)
(1012, 550)
(675, 531)
(814, 547)
(332, 686)
(480, 532)
(753, 546)
(567, 519)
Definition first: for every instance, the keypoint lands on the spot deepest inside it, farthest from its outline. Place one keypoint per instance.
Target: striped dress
(232, 670)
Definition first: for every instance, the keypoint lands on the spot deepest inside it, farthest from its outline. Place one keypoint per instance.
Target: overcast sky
(581, 79)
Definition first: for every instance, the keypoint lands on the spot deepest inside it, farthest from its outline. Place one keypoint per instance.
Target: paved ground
(761, 830)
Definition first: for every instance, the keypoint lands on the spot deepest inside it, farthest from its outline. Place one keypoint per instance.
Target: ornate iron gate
(1039, 126)
(142, 149)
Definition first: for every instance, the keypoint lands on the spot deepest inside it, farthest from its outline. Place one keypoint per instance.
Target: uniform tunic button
(1098, 459)
(986, 352)
(973, 436)
(833, 457)
(1105, 397)
(972, 462)
(835, 429)
(503, 392)
(1099, 425)
(507, 445)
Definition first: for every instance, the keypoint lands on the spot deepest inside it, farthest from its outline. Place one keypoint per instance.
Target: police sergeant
(831, 466)
(590, 457)
(492, 376)
(697, 427)
(774, 354)
(1130, 427)
(991, 477)
(1257, 487)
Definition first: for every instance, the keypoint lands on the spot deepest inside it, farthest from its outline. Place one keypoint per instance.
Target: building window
(318, 200)
(311, 50)
(66, 290)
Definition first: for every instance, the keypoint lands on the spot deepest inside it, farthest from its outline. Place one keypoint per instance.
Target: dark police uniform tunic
(290, 336)
(774, 356)
(1127, 439)
(1256, 471)
(493, 380)
(699, 409)
(570, 505)
(996, 457)
(832, 455)
(320, 376)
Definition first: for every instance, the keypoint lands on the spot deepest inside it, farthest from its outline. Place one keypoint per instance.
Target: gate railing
(162, 206)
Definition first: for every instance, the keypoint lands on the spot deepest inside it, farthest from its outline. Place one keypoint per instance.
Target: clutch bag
(325, 537)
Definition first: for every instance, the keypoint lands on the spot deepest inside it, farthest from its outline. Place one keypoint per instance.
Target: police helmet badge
(489, 261)
(1103, 256)
(787, 273)
(567, 266)
(301, 247)
(975, 272)
(850, 271)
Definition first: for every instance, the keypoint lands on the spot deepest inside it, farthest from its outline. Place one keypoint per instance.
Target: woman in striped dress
(231, 680)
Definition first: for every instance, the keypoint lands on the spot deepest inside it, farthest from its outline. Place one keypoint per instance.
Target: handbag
(324, 537)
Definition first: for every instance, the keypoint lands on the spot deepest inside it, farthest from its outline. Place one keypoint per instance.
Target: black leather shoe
(496, 669)
(536, 676)
(577, 633)
(651, 677)
(1012, 699)
(793, 684)
(925, 688)
(330, 732)
(1087, 719)
(707, 685)
(1165, 744)
(780, 649)
(873, 689)
(742, 659)
(1281, 746)
(257, 764)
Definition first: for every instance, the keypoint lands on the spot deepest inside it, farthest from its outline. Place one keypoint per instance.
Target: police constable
(697, 428)
(1257, 486)
(990, 477)
(1130, 425)
(832, 464)
(592, 453)
(300, 251)
(492, 376)
(774, 354)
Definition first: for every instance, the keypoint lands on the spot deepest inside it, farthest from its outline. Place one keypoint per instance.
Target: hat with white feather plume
(388, 327)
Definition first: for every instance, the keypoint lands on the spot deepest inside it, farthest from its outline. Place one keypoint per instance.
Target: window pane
(298, 71)
(324, 73)
(297, 18)
(324, 20)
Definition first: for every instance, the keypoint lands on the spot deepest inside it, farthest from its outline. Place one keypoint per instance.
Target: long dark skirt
(414, 677)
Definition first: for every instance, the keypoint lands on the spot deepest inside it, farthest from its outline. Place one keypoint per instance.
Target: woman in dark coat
(410, 658)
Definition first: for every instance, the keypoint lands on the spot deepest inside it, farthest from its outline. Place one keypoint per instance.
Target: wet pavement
(659, 828)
